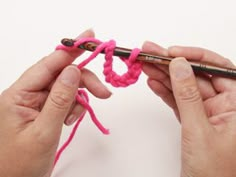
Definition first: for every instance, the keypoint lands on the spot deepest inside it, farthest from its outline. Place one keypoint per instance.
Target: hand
(205, 106)
(34, 109)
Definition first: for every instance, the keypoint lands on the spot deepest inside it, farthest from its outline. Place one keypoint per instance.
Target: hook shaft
(145, 57)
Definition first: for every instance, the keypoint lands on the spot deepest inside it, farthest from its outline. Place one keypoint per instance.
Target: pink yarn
(128, 78)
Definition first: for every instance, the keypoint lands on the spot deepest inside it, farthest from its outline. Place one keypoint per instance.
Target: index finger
(199, 54)
(45, 71)
(203, 55)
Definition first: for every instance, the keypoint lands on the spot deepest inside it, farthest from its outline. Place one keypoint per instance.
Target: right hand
(205, 105)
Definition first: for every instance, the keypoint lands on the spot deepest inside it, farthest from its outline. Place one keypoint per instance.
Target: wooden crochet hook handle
(145, 57)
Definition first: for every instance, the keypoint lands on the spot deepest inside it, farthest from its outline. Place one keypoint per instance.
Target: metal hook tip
(68, 42)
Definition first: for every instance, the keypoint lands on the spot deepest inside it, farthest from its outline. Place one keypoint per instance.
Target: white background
(145, 136)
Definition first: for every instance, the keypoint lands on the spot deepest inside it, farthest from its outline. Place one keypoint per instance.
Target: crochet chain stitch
(128, 78)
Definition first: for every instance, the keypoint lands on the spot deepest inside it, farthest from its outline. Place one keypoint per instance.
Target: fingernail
(69, 76)
(181, 69)
(90, 29)
(86, 33)
(71, 119)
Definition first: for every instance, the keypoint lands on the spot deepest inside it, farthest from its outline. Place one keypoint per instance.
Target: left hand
(34, 109)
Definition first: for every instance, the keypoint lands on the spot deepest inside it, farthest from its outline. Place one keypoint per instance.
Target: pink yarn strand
(128, 78)
(91, 112)
(70, 138)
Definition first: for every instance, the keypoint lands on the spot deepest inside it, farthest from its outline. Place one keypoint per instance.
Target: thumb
(187, 95)
(59, 101)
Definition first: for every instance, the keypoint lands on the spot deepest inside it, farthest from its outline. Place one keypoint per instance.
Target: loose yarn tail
(128, 78)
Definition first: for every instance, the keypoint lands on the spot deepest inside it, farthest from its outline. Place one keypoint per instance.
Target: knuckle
(42, 138)
(43, 64)
(189, 94)
(60, 99)
(24, 98)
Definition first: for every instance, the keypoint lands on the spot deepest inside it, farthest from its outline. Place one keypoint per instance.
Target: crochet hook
(145, 57)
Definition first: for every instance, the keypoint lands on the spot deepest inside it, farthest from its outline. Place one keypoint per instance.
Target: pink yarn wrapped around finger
(116, 80)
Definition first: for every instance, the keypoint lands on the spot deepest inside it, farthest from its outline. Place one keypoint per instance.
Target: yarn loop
(116, 80)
